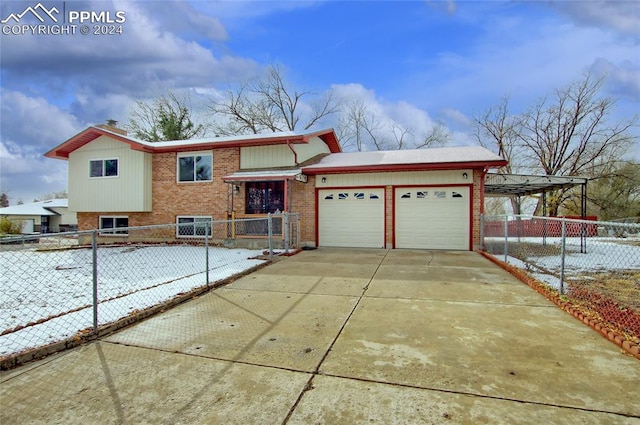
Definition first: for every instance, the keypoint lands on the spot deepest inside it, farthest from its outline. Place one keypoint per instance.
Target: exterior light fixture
(324, 180)
(465, 176)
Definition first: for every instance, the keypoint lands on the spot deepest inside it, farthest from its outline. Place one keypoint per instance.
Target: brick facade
(303, 201)
(218, 199)
(171, 199)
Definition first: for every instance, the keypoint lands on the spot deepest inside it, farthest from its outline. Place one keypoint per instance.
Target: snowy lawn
(54, 288)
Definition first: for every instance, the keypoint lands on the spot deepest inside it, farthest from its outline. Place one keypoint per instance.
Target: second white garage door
(351, 218)
(432, 218)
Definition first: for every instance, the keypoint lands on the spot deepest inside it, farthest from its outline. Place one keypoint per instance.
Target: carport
(519, 185)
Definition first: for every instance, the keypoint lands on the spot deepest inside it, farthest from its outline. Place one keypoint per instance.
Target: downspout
(295, 155)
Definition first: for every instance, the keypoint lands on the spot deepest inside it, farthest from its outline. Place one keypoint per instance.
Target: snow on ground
(58, 285)
(602, 255)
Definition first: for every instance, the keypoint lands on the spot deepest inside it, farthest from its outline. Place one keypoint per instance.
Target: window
(440, 194)
(264, 197)
(195, 168)
(373, 196)
(456, 195)
(109, 225)
(358, 195)
(193, 226)
(343, 195)
(406, 195)
(103, 168)
(330, 196)
(422, 195)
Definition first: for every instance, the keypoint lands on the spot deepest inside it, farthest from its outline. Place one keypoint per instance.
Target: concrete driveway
(342, 336)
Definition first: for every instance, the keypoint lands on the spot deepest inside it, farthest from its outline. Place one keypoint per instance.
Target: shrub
(10, 227)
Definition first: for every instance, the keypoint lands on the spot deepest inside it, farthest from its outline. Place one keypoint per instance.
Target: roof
(408, 160)
(524, 185)
(63, 150)
(36, 208)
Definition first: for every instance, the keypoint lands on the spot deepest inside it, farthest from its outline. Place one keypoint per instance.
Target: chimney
(112, 126)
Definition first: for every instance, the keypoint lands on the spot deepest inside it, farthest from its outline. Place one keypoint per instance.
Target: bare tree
(359, 126)
(570, 134)
(615, 195)
(167, 117)
(62, 194)
(497, 131)
(270, 104)
(567, 134)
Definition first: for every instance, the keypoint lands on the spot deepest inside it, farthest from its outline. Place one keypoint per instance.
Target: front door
(265, 197)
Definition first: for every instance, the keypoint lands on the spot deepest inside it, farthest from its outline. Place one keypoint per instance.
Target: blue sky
(416, 63)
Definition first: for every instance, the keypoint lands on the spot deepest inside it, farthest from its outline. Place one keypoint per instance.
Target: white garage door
(351, 218)
(432, 218)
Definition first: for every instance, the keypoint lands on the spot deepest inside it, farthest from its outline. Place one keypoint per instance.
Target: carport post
(94, 251)
(506, 238)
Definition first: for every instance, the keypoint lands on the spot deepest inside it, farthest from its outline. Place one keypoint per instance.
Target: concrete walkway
(342, 337)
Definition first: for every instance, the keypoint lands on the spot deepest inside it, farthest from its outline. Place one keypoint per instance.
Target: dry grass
(622, 286)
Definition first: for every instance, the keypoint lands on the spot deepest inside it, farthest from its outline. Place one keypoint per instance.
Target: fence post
(270, 233)
(506, 238)
(482, 247)
(563, 244)
(94, 251)
(285, 224)
(297, 231)
(206, 249)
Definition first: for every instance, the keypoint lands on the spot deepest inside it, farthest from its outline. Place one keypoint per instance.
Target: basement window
(114, 225)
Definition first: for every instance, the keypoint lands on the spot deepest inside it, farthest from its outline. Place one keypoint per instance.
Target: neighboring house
(42, 217)
(429, 198)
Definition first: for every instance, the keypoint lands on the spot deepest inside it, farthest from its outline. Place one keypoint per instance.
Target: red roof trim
(404, 167)
(88, 135)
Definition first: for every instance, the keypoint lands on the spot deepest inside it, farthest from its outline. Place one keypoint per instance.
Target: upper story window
(103, 167)
(195, 168)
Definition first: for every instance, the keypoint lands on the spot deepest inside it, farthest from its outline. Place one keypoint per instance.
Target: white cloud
(391, 118)
(33, 121)
(620, 16)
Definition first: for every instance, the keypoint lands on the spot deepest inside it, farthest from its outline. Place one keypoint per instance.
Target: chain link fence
(593, 265)
(57, 290)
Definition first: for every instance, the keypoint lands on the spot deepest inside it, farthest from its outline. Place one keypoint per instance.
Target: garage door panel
(351, 218)
(432, 218)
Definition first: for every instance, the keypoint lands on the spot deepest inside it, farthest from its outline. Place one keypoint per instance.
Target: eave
(405, 167)
(63, 150)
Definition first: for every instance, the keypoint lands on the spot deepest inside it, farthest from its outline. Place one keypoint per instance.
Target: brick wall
(171, 199)
(478, 199)
(304, 202)
(388, 202)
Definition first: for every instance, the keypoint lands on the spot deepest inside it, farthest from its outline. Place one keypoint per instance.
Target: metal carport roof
(525, 185)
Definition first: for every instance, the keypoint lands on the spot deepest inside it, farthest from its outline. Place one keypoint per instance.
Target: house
(429, 198)
(48, 216)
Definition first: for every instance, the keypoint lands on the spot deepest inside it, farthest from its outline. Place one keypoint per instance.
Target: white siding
(129, 191)
(395, 178)
(280, 155)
